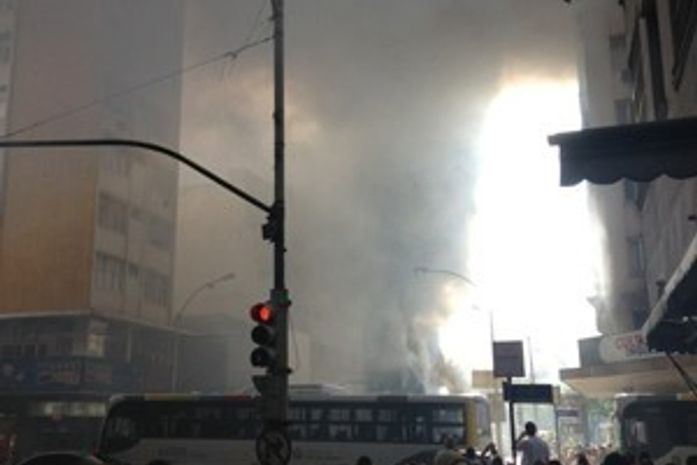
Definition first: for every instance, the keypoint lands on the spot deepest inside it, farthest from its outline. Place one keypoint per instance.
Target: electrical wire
(229, 55)
(250, 34)
(257, 20)
(684, 374)
(296, 350)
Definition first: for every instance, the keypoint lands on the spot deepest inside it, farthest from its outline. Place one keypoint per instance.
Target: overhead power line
(229, 55)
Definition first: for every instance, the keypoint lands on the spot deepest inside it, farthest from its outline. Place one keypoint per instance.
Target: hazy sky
(415, 138)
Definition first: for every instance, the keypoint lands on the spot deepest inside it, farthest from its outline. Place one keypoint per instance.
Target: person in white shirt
(533, 449)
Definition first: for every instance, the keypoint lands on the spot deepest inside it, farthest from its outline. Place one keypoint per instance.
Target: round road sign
(273, 447)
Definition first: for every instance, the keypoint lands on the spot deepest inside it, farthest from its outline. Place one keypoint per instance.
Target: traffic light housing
(264, 335)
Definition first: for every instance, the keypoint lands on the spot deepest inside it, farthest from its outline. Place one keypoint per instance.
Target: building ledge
(655, 375)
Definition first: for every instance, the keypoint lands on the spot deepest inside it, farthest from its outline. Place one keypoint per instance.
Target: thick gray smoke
(385, 99)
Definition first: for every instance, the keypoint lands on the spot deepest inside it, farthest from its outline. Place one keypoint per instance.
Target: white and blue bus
(325, 430)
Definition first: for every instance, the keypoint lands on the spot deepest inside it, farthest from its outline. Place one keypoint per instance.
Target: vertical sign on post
(509, 363)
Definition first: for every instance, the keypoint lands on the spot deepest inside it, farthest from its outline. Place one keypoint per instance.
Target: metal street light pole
(177, 316)
(465, 279)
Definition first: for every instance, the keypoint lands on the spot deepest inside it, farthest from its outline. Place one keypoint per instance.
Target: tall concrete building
(639, 65)
(87, 236)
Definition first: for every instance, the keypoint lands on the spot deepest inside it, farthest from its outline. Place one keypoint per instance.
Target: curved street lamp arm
(423, 269)
(53, 143)
(191, 297)
(197, 291)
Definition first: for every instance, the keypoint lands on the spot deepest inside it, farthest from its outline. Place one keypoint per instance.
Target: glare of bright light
(530, 242)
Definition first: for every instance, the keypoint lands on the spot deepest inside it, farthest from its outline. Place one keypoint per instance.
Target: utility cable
(250, 34)
(229, 55)
(296, 350)
(684, 374)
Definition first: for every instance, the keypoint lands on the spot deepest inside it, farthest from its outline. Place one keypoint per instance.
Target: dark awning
(672, 325)
(643, 152)
(640, 152)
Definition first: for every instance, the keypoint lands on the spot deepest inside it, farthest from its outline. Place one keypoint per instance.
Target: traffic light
(265, 335)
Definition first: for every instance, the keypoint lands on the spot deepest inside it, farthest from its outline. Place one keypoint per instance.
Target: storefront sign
(58, 373)
(623, 347)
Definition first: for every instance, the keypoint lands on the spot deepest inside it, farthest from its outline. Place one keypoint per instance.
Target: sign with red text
(624, 347)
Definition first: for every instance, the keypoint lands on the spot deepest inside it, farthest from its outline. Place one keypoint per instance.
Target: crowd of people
(533, 450)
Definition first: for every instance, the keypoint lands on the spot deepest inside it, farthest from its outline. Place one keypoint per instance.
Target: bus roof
(412, 398)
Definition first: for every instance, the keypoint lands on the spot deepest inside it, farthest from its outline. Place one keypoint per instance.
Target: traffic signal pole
(279, 294)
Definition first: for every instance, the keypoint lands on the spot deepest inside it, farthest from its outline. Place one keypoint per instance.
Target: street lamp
(423, 269)
(192, 295)
(468, 281)
(465, 279)
(177, 316)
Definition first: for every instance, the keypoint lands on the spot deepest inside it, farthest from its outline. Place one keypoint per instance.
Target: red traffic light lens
(262, 313)
(265, 314)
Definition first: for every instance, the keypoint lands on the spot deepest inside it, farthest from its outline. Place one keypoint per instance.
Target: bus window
(387, 415)
(241, 422)
(441, 432)
(363, 427)
(483, 419)
(363, 415)
(447, 420)
(120, 433)
(296, 414)
(447, 414)
(637, 432)
(692, 429)
(339, 427)
(317, 429)
(298, 431)
(389, 428)
(298, 424)
(419, 426)
(207, 422)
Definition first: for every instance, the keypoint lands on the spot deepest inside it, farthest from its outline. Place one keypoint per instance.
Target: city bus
(325, 430)
(31, 424)
(666, 429)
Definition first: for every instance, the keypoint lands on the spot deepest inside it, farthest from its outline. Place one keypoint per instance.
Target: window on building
(159, 232)
(5, 46)
(110, 273)
(112, 213)
(623, 110)
(157, 288)
(683, 21)
(653, 37)
(635, 256)
(635, 192)
(635, 66)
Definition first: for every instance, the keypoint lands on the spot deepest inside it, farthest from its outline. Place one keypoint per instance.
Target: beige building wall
(48, 195)
(667, 219)
(605, 100)
(91, 229)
